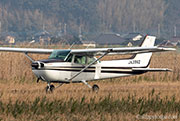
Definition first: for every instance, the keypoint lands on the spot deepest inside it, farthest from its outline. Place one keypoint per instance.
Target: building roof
(42, 33)
(132, 35)
(88, 42)
(167, 43)
(112, 39)
(175, 39)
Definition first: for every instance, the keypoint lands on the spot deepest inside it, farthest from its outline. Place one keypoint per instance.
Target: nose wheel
(50, 88)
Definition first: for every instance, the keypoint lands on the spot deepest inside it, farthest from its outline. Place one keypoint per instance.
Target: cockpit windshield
(59, 54)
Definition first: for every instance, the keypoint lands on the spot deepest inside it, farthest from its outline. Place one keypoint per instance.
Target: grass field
(153, 96)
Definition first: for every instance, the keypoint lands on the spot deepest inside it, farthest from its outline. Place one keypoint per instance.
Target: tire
(52, 87)
(47, 89)
(95, 88)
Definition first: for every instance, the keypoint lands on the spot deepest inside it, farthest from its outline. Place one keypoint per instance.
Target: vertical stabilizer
(145, 58)
(148, 41)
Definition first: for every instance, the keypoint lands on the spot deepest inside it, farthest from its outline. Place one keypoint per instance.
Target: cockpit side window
(80, 59)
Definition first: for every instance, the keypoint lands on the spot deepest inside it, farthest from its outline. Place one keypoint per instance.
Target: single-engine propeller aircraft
(81, 65)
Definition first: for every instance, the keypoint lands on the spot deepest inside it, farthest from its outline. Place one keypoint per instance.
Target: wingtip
(170, 70)
(167, 49)
(170, 49)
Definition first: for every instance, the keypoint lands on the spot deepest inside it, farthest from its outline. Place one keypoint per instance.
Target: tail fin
(145, 58)
(148, 41)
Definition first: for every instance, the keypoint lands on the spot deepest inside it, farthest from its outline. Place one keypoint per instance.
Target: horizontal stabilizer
(151, 69)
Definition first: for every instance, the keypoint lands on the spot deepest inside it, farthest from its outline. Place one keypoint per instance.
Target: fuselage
(55, 70)
(62, 66)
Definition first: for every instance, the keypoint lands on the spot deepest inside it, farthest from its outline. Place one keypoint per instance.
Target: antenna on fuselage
(88, 46)
(72, 45)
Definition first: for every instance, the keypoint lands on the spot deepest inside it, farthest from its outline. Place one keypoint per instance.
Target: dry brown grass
(77, 91)
(117, 90)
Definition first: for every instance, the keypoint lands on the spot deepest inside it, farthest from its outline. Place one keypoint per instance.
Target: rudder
(145, 58)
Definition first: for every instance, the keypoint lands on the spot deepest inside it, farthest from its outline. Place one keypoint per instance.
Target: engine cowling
(37, 65)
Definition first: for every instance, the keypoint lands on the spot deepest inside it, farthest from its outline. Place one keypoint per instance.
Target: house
(10, 39)
(130, 44)
(167, 43)
(42, 37)
(133, 36)
(109, 39)
(175, 41)
(89, 43)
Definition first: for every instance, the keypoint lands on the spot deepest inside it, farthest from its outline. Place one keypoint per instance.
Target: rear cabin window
(59, 54)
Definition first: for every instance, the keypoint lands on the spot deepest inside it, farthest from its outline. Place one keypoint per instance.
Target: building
(174, 41)
(89, 43)
(133, 36)
(109, 39)
(42, 37)
(167, 43)
(10, 40)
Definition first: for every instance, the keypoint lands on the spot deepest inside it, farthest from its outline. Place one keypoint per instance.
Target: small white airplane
(81, 65)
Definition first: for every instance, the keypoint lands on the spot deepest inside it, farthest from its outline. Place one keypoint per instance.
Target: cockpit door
(79, 62)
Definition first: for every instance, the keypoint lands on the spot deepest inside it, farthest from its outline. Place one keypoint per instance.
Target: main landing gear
(95, 88)
(51, 87)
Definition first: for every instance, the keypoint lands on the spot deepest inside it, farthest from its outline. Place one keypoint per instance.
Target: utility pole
(80, 33)
(0, 27)
(175, 31)
(65, 27)
(60, 27)
(134, 27)
(42, 20)
(43, 27)
(159, 30)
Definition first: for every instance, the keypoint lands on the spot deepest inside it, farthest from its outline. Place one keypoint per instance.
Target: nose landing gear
(50, 88)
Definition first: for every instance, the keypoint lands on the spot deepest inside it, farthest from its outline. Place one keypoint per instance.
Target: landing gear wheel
(95, 88)
(50, 88)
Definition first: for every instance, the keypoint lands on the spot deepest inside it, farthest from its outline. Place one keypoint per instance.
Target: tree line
(91, 15)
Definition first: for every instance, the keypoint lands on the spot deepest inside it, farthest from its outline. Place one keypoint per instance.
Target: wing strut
(74, 76)
(26, 54)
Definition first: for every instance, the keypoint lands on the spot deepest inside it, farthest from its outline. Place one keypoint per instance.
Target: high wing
(151, 69)
(125, 50)
(26, 50)
(93, 52)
